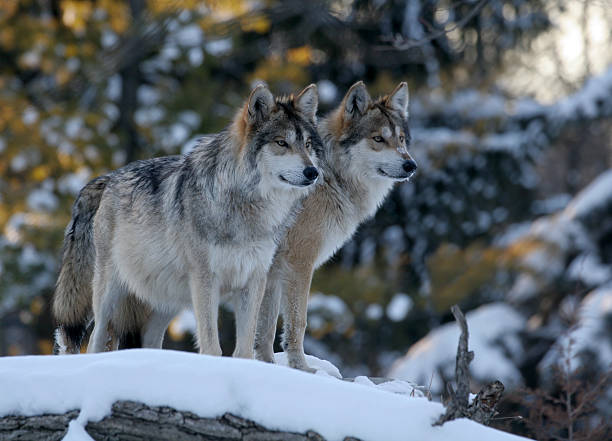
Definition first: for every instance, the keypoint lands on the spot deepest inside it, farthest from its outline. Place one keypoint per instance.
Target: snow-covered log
(163, 394)
(133, 420)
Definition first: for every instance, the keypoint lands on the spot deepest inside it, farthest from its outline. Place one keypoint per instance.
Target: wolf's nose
(311, 173)
(409, 166)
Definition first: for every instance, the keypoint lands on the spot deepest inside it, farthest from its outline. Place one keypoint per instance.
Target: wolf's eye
(401, 139)
(378, 139)
(282, 143)
(308, 144)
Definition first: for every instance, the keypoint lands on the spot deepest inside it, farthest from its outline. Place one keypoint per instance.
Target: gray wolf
(160, 235)
(364, 154)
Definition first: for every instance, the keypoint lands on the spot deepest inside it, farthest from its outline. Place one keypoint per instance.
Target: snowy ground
(274, 396)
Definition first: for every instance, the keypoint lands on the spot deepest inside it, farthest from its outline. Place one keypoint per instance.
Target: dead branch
(482, 408)
(399, 43)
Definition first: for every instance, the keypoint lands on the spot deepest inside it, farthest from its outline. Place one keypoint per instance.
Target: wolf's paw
(305, 369)
(302, 366)
(264, 356)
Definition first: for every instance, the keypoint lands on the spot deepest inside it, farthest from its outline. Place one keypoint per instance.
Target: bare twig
(400, 43)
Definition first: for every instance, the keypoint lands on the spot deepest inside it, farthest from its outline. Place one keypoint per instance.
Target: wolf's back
(73, 291)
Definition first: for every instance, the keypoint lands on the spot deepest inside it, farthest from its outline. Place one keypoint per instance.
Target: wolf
(364, 155)
(189, 231)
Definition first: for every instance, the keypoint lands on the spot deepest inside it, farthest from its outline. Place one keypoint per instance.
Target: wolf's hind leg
(268, 318)
(154, 330)
(107, 292)
(247, 303)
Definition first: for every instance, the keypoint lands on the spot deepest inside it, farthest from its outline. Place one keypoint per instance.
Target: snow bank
(274, 396)
(492, 328)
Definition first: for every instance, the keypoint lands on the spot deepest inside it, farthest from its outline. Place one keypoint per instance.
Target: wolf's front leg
(246, 309)
(294, 310)
(205, 292)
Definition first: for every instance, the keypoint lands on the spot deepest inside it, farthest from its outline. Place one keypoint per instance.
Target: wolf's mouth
(395, 178)
(304, 183)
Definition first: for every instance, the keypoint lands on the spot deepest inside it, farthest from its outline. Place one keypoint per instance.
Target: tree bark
(131, 421)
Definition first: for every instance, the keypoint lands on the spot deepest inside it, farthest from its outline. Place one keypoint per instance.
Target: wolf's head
(279, 136)
(374, 135)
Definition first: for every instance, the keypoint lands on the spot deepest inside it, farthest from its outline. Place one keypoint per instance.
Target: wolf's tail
(73, 292)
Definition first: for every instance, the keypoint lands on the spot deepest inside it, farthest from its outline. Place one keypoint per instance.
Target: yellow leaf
(300, 55)
(75, 14)
(7, 37)
(257, 23)
(7, 9)
(40, 173)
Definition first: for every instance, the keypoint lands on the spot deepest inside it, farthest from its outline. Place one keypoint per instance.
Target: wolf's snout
(311, 173)
(409, 166)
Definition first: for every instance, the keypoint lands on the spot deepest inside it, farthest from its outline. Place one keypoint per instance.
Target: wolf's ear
(261, 103)
(307, 102)
(356, 100)
(399, 98)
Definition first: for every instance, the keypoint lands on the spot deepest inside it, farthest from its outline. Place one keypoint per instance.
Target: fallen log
(133, 421)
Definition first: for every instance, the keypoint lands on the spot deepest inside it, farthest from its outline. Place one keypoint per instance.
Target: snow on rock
(493, 332)
(274, 396)
(590, 335)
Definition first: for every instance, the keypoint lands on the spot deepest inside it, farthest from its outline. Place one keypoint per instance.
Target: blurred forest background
(510, 214)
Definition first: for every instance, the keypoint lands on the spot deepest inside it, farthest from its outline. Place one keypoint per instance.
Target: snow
(42, 199)
(72, 183)
(276, 397)
(585, 102)
(374, 311)
(19, 163)
(335, 305)
(30, 116)
(328, 309)
(183, 323)
(492, 328)
(597, 194)
(589, 269)
(219, 47)
(189, 36)
(195, 56)
(327, 91)
(399, 307)
(589, 335)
